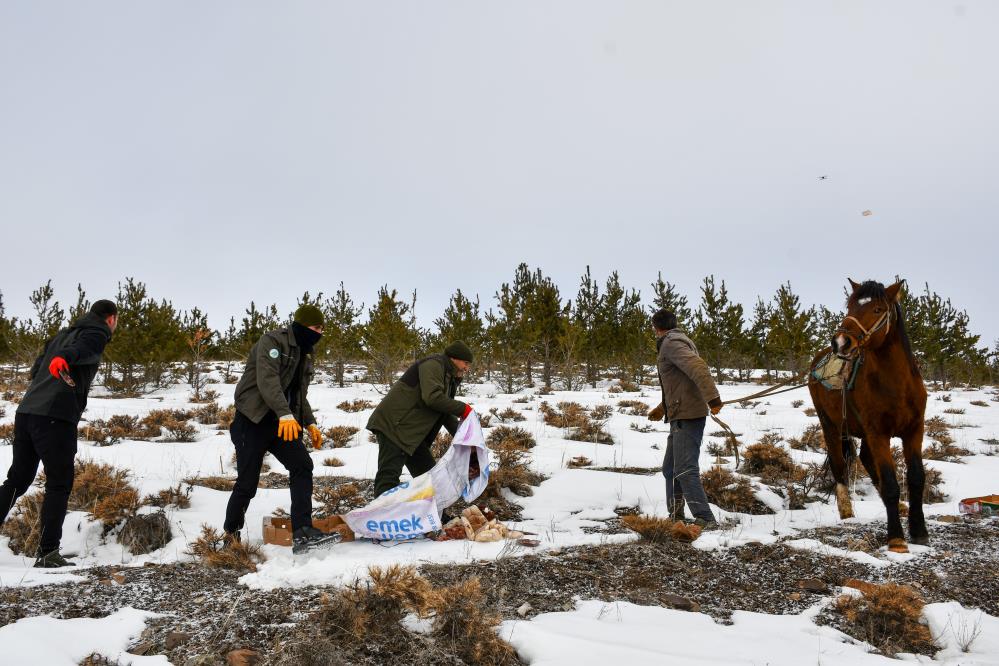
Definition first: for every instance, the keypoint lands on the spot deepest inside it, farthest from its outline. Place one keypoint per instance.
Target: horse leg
(868, 460)
(880, 448)
(836, 445)
(915, 476)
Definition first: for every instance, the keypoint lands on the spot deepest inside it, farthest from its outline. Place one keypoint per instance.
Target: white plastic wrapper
(413, 508)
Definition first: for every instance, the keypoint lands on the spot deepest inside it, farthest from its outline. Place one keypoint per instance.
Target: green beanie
(459, 350)
(309, 315)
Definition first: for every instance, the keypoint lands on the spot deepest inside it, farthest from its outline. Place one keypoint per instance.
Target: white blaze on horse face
(840, 341)
(863, 301)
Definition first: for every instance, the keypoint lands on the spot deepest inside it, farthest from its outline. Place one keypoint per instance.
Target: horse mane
(876, 291)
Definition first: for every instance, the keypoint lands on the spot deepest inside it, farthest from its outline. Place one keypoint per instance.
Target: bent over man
(407, 420)
(272, 405)
(688, 392)
(46, 420)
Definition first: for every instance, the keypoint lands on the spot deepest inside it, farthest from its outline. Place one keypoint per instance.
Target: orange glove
(657, 413)
(715, 405)
(58, 365)
(317, 436)
(288, 428)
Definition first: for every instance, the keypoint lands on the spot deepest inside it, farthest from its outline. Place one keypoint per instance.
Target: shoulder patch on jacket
(274, 353)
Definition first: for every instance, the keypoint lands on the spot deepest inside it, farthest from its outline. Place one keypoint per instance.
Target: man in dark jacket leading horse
(688, 393)
(407, 420)
(46, 420)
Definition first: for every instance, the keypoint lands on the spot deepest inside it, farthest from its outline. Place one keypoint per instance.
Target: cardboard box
(987, 505)
(277, 529)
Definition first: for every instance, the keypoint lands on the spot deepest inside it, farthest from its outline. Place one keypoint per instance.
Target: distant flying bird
(823, 177)
(867, 213)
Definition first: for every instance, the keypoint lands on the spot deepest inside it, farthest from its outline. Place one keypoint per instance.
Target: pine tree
(621, 329)
(666, 297)
(523, 291)
(461, 320)
(506, 337)
(759, 336)
(588, 304)
(199, 338)
(944, 340)
(792, 330)
(255, 323)
(390, 337)
(342, 334)
(6, 334)
(82, 305)
(719, 328)
(546, 318)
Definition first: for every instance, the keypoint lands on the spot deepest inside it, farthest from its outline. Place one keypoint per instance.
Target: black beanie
(309, 315)
(459, 350)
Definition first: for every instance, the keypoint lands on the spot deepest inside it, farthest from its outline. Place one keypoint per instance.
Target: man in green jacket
(407, 420)
(688, 394)
(272, 405)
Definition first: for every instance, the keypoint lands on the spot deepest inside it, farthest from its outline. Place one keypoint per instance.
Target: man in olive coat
(46, 420)
(688, 393)
(407, 420)
(272, 406)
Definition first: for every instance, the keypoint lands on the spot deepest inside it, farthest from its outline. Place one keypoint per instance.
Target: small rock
(106, 582)
(176, 639)
(524, 610)
(794, 596)
(142, 649)
(119, 578)
(242, 658)
(948, 519)
(813, 585)
(199, 600)
(680, 603)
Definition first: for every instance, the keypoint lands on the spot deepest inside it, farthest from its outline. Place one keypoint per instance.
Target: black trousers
(391, 459)
(252, 442)
(53, 443)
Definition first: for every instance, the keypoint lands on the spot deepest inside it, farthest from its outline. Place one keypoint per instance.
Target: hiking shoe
(309, 538)
(52, 560)
(707, 525)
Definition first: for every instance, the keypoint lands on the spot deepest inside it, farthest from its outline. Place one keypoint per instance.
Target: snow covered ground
(563, 512)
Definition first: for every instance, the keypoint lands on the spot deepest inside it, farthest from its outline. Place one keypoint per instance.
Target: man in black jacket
(46, 420)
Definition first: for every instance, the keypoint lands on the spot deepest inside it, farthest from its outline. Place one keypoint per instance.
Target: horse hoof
(921, 540)
(898, 546)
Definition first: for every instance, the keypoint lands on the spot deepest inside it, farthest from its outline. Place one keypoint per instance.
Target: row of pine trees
(529, 334)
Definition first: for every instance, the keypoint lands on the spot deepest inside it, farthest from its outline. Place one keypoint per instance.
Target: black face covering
(305, 337)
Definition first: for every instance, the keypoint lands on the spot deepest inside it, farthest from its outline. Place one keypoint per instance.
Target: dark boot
(309, 538)
(52, 560)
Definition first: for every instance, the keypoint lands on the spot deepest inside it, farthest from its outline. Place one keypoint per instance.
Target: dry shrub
(953, 410)
(767, 460)
(115, 508)
(212, 550)
(117, 428)
(23, 527)
(797, 404)
(337, 500)
(6, 434)
(223, 483)
(174, 496)
(661, 530)
(485, 420)
(936, 428)
(615, 389)
(590, 431)
(979, 403)
(508, 415)
(811, 439)
(462, 622)
(158, 418)
(512, 470)
(103, 491)
(642, 427)
(568, 415)
(340, 436)
(145, 533)
(355, 405)
(628, 386)
(947, 452)
(810, 411)
(633, 407)
(601, 412)
(213, 414)
(332, 462)
(731, 492)
(579, 461)
(179, 431)
(888, 617)
(441, 444)
(510, 436)
(932, 492)
(226, 417)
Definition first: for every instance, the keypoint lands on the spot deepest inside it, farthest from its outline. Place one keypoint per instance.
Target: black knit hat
(104, 308)
(459, 350)
(309, 315)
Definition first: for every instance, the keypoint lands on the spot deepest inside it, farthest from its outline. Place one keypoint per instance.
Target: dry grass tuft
(23, 526)
(811, 439)
(661, 530)
(768, 460)
(332, 462)
(212, 550)
(6, 434)
(462, 622)
(175, 496)
(579, 461)
(222, 483)
(508, 415)
(339, 436)
(441, 444)
(633, 407)
(512, 470)
(888, 617)
(352, 406)
(145, 533)
(731, 492)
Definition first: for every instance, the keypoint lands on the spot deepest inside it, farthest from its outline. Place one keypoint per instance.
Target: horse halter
(884, 321)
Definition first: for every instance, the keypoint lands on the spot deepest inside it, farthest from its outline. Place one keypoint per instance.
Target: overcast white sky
(229, 151)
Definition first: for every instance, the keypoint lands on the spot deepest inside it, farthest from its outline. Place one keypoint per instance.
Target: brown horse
(880, 395)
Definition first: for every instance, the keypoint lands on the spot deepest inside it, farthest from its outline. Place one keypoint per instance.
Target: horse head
(870, 313)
